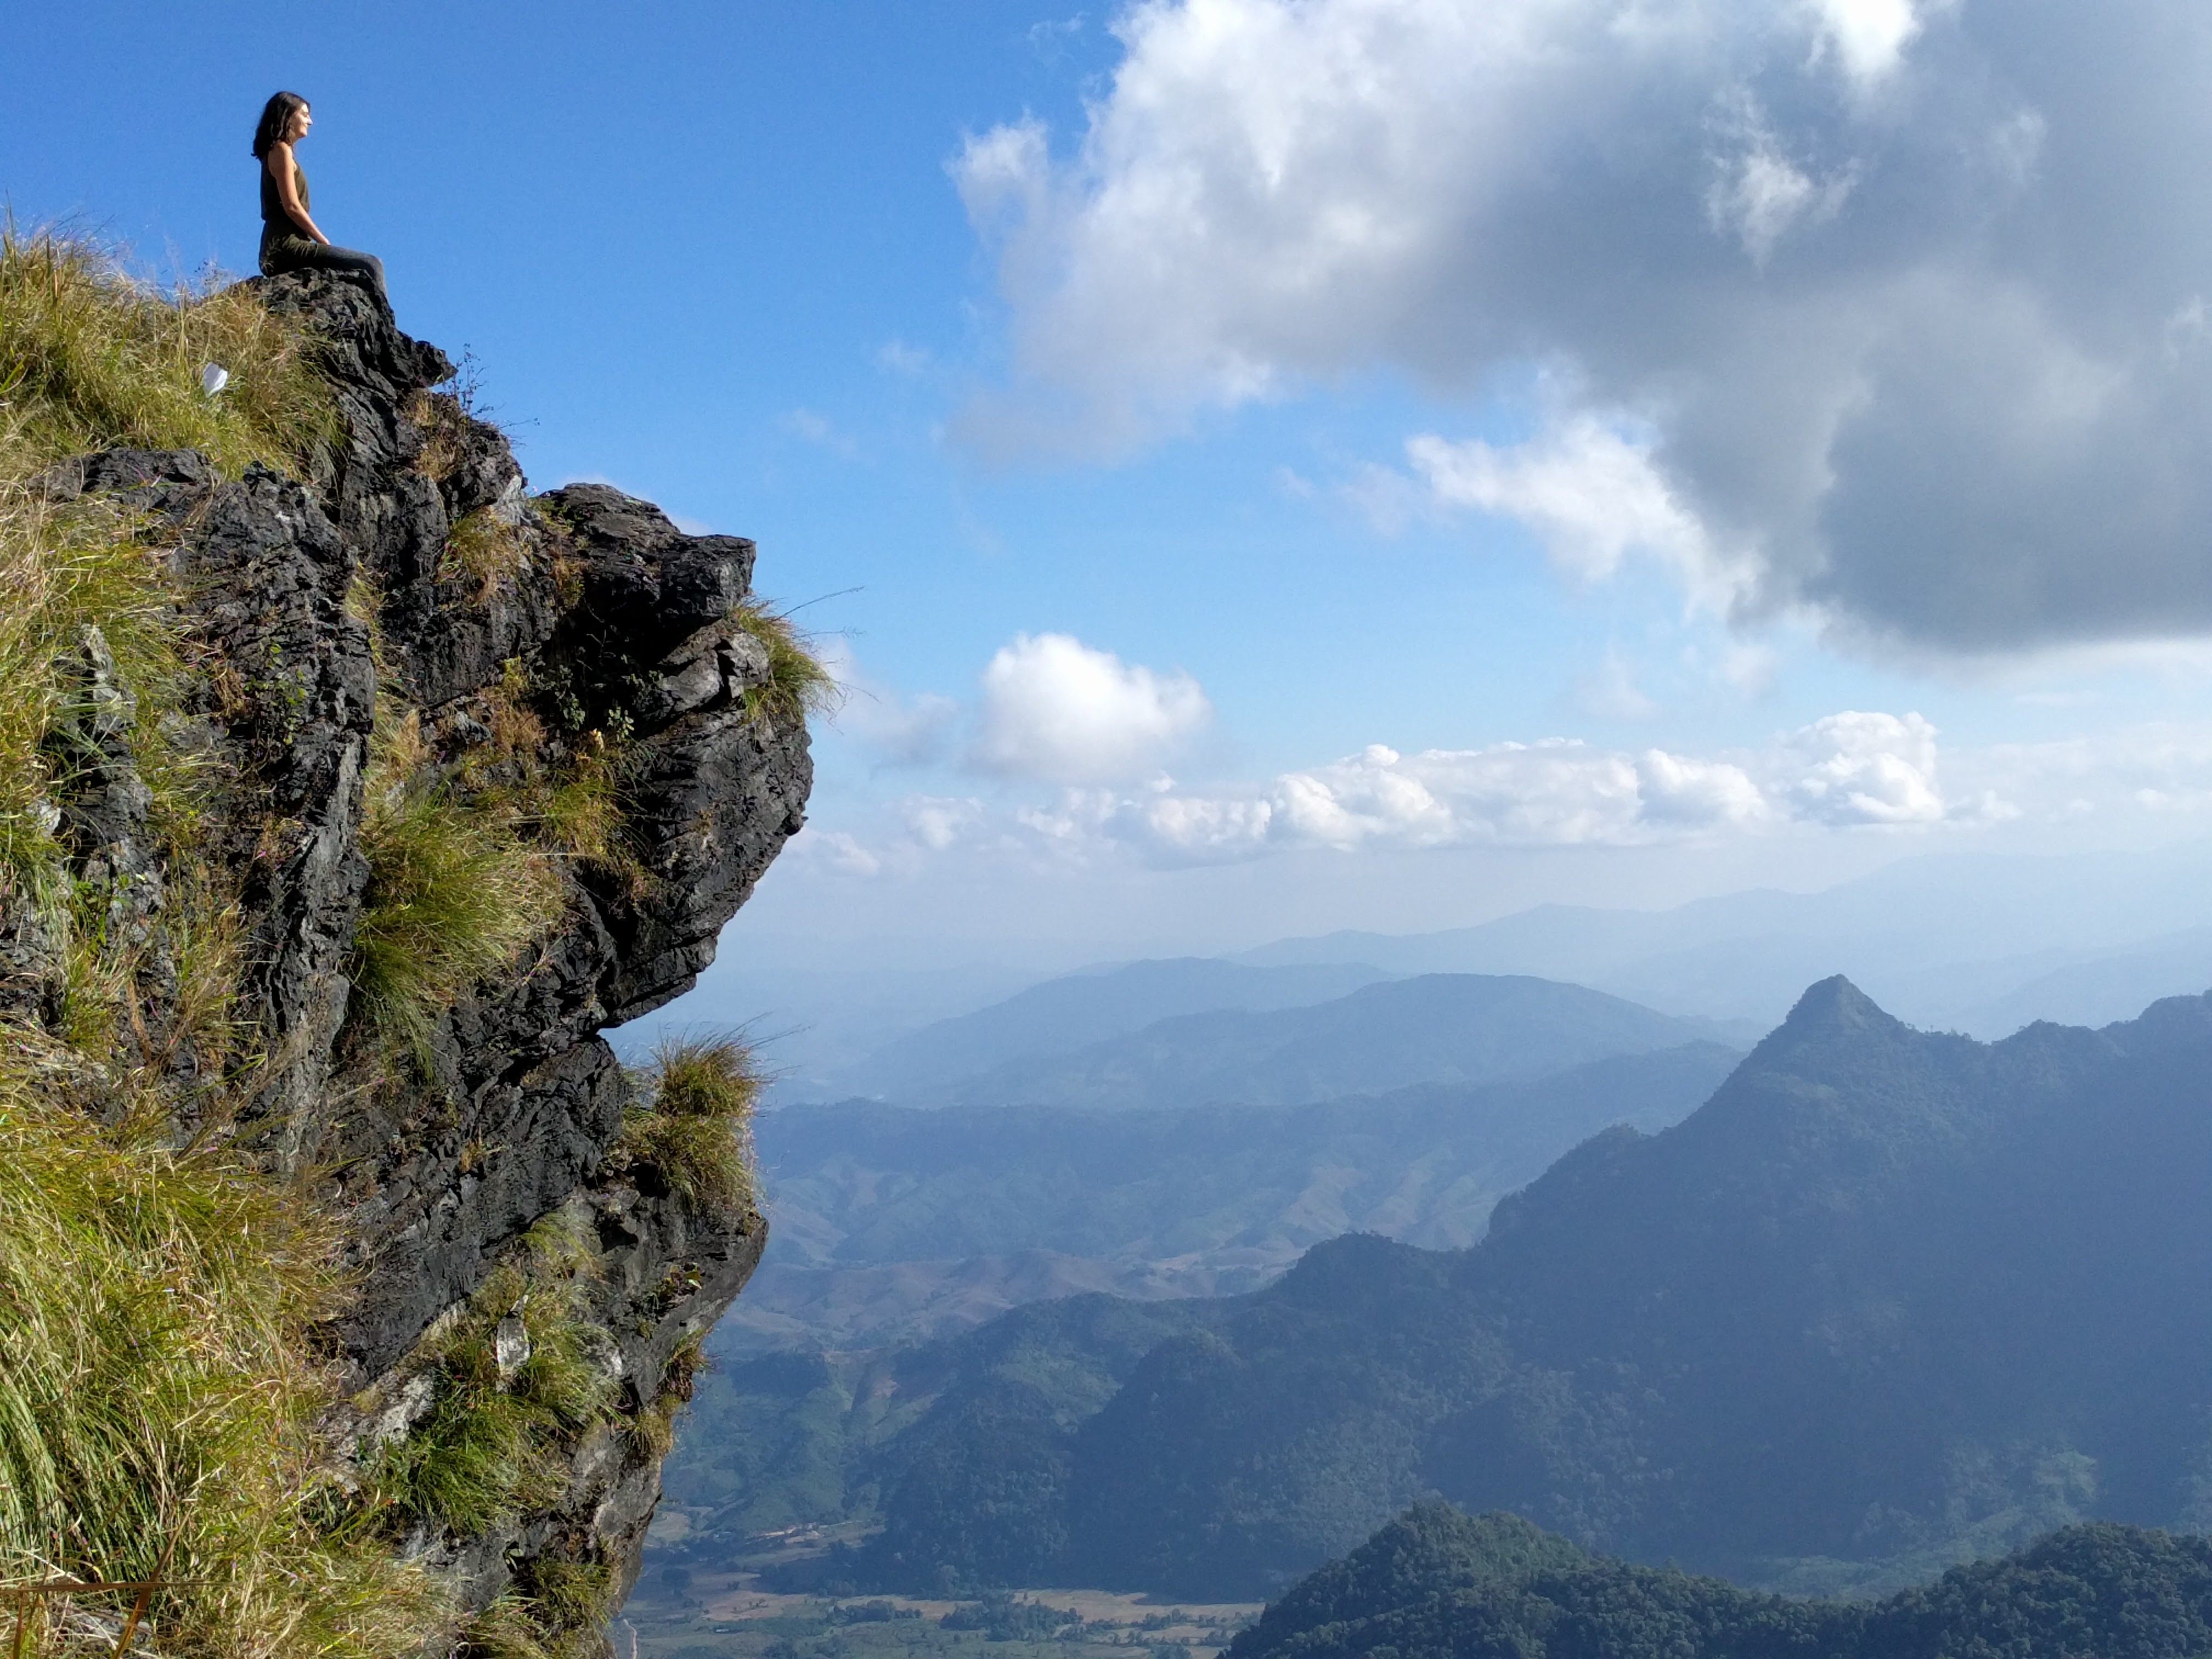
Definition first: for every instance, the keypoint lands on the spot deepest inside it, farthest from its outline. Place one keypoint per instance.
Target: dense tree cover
(1890, 1300)
(1436, 1582)
(954, 1428)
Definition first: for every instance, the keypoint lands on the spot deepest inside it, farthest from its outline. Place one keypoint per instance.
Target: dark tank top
(275, 222)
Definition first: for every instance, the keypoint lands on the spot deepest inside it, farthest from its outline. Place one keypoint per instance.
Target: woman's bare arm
(287, 190)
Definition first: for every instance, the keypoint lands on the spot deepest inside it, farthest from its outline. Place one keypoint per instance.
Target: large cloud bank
(1850, 770)
(1893, 309)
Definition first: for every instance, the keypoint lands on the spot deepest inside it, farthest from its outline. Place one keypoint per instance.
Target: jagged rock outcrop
(594, 622)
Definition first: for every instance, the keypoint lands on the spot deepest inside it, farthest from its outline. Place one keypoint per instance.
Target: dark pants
(297, 253)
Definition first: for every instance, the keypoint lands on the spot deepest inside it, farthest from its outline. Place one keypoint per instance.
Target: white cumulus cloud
(1058, 710)
(1856, 767)
(1857, 771)
(1849, 769)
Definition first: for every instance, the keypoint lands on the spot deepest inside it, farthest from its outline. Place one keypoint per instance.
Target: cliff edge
(340, 844)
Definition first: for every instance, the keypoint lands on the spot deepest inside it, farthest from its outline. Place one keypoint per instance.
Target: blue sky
(1065, 365)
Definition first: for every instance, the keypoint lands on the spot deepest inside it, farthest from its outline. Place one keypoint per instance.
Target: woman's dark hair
(276, 117)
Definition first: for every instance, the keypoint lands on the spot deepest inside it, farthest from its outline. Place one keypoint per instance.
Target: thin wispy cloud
(897, 728)
(820, 431)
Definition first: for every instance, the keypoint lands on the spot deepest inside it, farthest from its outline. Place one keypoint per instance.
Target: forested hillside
(1889, 1299)
(1495, 1587)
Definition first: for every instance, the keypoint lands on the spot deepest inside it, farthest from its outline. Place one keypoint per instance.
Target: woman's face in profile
(302, 118)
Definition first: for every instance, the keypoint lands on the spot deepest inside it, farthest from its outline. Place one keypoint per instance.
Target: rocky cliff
(406, 644)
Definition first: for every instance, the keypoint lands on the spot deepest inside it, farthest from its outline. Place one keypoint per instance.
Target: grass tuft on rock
(572, 1601)
(92, 358)
(455, 892)
(486, 549)
(505, 1630)
(569, 799)
(799, 684)
(696, 1131)
(69, 571)
(496, 1440)
(652, 1432)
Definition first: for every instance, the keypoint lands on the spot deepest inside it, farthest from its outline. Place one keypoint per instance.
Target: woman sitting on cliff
(290, 239)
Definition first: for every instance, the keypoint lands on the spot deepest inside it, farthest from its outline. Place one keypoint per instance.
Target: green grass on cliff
(465, 854)
(497, 1438)
(63, 570)
(570, 804)
(159, 1380)
(158, 1389)
(92, 358)
(166, 1394)
(696, 1131)
(455, 894)
(798, 684)
(502, 1433)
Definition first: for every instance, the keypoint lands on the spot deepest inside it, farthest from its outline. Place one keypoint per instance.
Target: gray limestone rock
(618, 628)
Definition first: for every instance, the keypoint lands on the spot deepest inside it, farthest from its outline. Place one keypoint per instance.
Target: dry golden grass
(484, 548)
(441, 421)
(91, 357)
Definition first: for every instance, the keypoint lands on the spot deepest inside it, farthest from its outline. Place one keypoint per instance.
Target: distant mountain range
(1964, 941)
(1889, 1299)
(1437, 1028)
(1982, 944)
(1436, 1582)
(942, 1061)
(892, 1223)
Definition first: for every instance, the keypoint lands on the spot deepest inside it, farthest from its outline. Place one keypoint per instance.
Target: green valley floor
(706, 1615)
